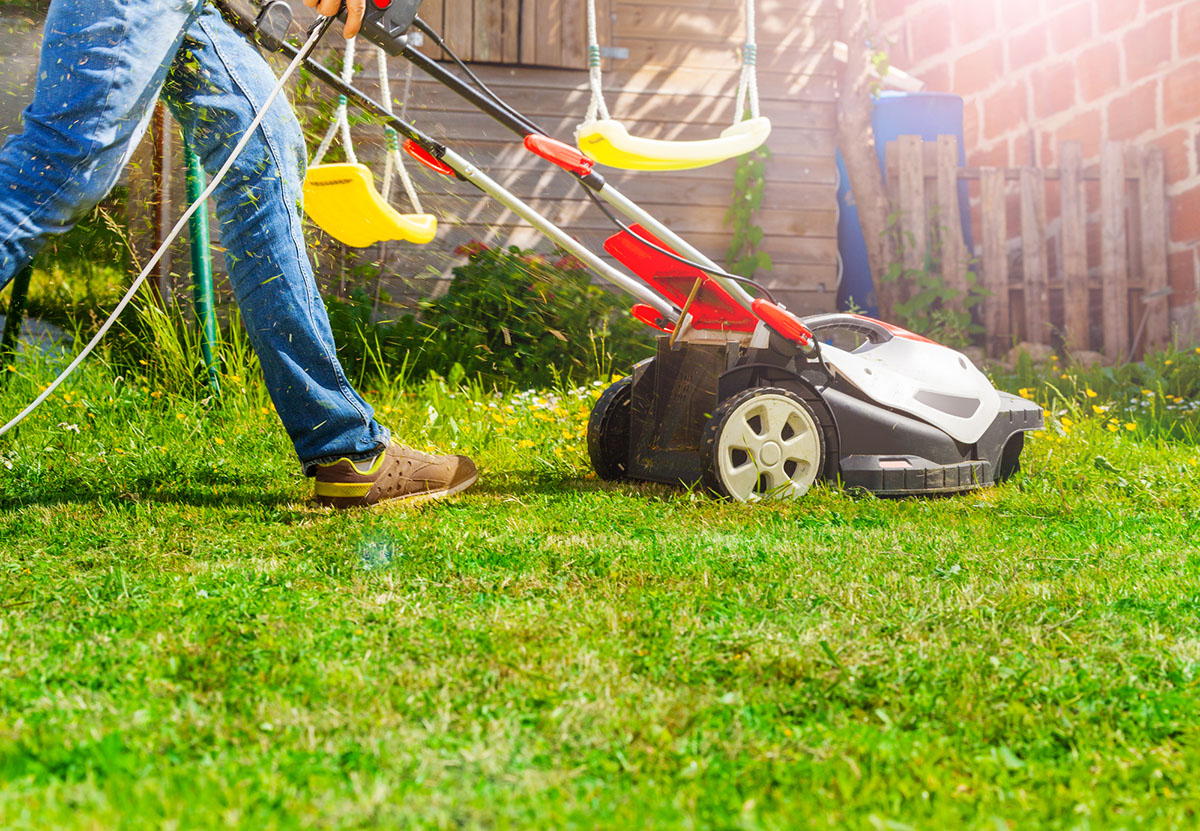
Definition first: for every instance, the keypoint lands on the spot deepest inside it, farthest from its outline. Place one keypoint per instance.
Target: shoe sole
(409, 499)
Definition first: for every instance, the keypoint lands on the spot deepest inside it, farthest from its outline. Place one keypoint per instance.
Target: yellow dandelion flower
(156, 394)
(1025, 392)
(142, 362)
(1112, 428)
(1097, 409)
(524, 443)
(1129, 425)
(264, 410)
(180, 416)
(1167, 362)
(218, 440)
(1091, 393)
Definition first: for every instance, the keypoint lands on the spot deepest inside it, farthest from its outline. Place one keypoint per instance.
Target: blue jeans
(103, 65)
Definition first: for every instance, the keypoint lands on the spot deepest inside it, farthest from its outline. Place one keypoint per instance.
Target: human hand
(330, 8)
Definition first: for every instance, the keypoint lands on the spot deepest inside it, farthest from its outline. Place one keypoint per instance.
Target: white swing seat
(608, 142)
(342, 200)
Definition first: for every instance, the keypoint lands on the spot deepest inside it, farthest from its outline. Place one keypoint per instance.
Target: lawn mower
(742, 395)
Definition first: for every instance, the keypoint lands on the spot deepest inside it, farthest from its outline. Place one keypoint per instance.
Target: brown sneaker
(399, 474)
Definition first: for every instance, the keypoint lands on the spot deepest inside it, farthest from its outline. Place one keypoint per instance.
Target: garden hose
(316, 34)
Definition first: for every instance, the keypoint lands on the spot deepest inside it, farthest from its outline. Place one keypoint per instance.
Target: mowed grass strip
(185, 643)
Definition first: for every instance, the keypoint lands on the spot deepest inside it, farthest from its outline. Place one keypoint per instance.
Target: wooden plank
(1113, 265)
(548, 50)
(489, 28)
(528, 37)
(953, 248)
(1076, 319)
(459, 28)
(574, 48)
(1154, 249)
(994, 212)
(433, 13)
(913, 219)
(1033, 255)
(510, 37)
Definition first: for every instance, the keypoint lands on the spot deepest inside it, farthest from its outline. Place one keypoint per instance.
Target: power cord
(315, 35)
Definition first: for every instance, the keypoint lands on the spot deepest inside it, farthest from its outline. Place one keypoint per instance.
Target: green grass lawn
(184, 643)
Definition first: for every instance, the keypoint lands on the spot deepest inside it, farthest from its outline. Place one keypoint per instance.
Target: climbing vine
(744, 256)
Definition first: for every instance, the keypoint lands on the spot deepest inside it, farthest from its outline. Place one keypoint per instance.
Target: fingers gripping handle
(386, 23)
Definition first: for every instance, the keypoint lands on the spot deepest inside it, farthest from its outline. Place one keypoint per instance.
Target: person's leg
(101, 67)
(216, 86)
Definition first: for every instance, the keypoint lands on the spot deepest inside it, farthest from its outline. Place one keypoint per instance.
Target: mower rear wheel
(608, 431)
(763, 443)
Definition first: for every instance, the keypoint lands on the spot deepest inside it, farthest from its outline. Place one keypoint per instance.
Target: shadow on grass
(531, 482)
(198, 488)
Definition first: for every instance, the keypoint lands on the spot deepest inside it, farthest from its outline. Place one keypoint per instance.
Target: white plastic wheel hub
(769, 448)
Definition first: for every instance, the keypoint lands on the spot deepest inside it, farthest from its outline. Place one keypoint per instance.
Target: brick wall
(1034, 73)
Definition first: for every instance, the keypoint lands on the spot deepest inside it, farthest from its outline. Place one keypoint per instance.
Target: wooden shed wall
(678, 81)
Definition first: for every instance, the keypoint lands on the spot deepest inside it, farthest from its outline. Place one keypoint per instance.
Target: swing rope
(394, 159)
(747, 91)
(341, 118)
(597, 108)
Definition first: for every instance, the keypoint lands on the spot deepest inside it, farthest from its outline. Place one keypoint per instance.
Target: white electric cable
(183, 220)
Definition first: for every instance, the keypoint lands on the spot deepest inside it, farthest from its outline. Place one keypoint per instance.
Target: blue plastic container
(924, 114)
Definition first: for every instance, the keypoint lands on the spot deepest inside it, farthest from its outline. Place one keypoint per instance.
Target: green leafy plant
(510, 316)
(924, 302)
(749, 182)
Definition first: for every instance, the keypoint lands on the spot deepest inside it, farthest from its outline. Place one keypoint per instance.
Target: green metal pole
(202, 280)
(13, 320)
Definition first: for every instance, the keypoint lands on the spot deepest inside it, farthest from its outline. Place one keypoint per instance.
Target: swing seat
(342, 200)
(609, 143)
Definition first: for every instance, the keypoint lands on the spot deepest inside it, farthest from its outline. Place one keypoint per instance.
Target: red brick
(1053, 89)
(1176, 157)
(1189, 30)
(1084, 128)
(974, 21)
(1026, 48)
(1004, 110)
(1148, 47)
(978, 70)
(1071, 28)
(937, 78)
(1134, 113)
(1113, 14)
(1185, 216)
(929, 32)
(1024, 149)
(1018, 13)
(1181, 104)
(994, 156)
(1099, 71)
(1181, 275)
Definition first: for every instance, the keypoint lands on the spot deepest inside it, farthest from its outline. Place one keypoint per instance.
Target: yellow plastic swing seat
(608, 142)
(343, 201)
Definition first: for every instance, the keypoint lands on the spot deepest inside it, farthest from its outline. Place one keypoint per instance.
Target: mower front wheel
(608, 431)
(763, 443)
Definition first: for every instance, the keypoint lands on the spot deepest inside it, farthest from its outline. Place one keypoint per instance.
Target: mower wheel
(763, 443)
(608, 431)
